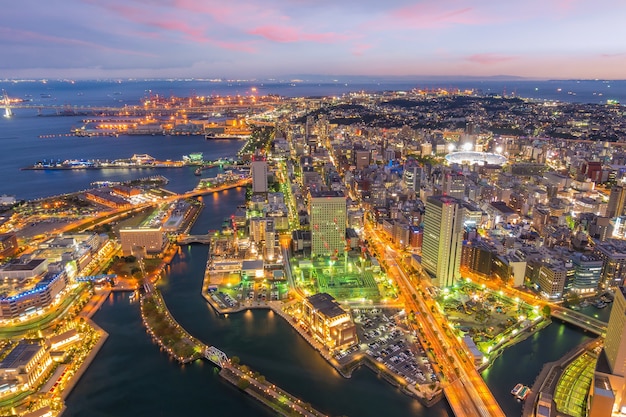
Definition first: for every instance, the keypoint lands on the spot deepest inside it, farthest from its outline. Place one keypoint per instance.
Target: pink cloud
(175, 24)
(614, 55)
(361, 48)
(22, 35)
(489, 59)
(288, 34)
(233, 12)
(424, 15)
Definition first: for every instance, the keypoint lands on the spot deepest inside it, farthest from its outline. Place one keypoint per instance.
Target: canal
(131, 377)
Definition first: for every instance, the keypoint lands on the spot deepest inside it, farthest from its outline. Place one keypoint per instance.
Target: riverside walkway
(185, 348)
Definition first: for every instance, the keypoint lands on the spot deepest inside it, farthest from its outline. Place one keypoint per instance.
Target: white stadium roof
(471, 157)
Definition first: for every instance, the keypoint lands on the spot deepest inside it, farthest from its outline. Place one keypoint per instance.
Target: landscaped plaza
(489, 317)
(348, 278)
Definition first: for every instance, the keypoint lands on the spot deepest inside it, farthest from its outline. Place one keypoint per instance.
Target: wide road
(463, 386)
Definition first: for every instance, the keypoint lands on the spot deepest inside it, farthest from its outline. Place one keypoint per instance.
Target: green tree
(235, 360)
(571, 299)
(243, 384)
(546, 311)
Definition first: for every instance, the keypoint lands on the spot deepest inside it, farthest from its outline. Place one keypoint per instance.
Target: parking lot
(385, 341)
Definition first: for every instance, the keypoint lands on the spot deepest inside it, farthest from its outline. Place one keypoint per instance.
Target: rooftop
(20, 355)
(326, 304)
(18, 265)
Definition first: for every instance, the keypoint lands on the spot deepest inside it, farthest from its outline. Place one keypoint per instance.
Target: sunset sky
(279, 38)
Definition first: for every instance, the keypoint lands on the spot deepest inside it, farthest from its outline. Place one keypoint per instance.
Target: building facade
(617, 202)
(142, 241)
(259, 173)
(328, 322)
(443, 239)
(613, 255)
(328, 213)
(25, 365)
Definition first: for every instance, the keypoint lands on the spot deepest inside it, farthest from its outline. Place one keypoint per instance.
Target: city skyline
(247, 39)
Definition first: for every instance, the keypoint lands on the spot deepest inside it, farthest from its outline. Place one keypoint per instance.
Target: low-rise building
(8, 244)
(143, 241)
(328, 322)
(25, 365)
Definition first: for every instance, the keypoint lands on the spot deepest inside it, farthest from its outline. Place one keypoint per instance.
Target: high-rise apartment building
(412, 175)
(328, 213)
(613, 255)
(454, 184)
(443, 239)
(617, 201)
(258, 171)
(615, 341)
(607, 394)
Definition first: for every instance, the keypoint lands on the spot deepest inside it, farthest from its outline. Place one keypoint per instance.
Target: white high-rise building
(258, 170)
(328, 214)
(443, 239)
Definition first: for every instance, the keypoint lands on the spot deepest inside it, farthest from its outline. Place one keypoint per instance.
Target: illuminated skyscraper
(327, 210)
(412, 175)
(454, 184)
(443, 239)
(607, 392)
(258, 170)
(617, 202)
(615, 342)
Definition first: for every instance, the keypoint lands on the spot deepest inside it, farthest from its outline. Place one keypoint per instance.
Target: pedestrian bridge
(216, 356)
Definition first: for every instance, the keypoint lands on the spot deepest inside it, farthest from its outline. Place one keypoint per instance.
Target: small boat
(517, 389)
(523, 393)
(198, 172)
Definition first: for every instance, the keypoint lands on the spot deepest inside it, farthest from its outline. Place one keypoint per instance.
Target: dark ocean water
(118, 92)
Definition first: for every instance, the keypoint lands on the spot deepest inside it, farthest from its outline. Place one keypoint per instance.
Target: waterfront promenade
(185, 348)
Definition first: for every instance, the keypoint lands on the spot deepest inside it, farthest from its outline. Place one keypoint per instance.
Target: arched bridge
(216, 356)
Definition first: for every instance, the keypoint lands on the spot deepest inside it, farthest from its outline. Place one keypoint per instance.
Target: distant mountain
(391, 79)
